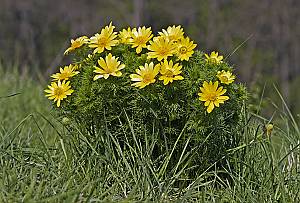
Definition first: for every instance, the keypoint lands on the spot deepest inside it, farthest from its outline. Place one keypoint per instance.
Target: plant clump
(141, 87)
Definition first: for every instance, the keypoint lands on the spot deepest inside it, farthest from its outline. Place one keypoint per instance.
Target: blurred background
(261, 38)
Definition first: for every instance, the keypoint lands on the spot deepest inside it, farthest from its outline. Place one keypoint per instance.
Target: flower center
(169, 73)
(163, 51)
(102, 41)
(147, 78)
(183, 50)
(213, 60)
(140, 40)
(111, 69)
(76, 44)
(64, 75)
(58, 91)
(212, 96)
(224, 78)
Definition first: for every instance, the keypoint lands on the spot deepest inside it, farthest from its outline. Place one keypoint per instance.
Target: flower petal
(210, 107)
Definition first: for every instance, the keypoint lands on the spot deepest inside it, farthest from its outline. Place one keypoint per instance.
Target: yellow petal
(224, 98)
(215, 86)
(216, 103)
(210, 107)
(118, 74)
(97, 77)
(178, 77)
(121, 66)
(58, 103)
(201, 98)
(135, 77)
(138, 49)
(205, 85)
(102, 63)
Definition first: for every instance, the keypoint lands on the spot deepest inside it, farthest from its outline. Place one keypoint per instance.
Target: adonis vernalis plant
(118, 80)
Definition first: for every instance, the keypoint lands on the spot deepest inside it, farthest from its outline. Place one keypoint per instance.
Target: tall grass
(42, 161)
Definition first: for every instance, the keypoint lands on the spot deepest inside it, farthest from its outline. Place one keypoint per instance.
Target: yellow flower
(214, 58)
(173, 34)
(59, 91)
(140, 37)
(77, 43)
(185, 49)
(66, 73)
(109, 66)
(225, 77)
(105, 40)
(161, 48)
(212, 95)
(125, 36)
(170, 72)
(145, 75)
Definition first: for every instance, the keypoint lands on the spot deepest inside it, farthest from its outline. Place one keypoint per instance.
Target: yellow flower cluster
(211, 93)
(146, 74)
(166, 51)
(169, 42)
(60, 87)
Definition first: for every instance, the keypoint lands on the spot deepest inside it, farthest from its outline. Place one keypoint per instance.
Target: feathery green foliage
(174, 110)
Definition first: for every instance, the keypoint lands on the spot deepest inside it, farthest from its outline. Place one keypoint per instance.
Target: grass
(42, 161)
